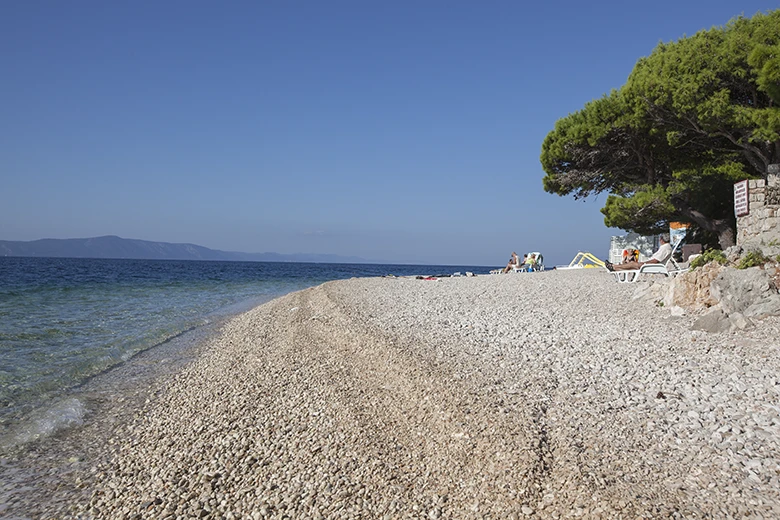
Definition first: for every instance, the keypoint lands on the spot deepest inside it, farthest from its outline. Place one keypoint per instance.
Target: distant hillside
(116, 247)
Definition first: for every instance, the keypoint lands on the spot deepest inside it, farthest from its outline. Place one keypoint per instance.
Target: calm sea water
(65, 321)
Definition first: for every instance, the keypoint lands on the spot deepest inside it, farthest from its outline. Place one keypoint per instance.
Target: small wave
(44, 423)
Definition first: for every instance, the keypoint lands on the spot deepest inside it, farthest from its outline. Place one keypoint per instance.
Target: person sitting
(521, 264)
(530, 263)
(514, 261)
(660, 257)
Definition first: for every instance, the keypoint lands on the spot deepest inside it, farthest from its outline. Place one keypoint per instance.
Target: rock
(653, 291)
(739, 294)
(738, 289)
(738, 321)
(769, 306)
(715, 320)
(691, 290)
(733, 253)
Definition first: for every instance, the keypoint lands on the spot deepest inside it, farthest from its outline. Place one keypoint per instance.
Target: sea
(71, 329)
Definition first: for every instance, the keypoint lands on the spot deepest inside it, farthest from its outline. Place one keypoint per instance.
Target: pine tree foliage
(694, 117)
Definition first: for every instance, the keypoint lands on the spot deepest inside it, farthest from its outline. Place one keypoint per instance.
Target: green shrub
(710, 255)
(752, 259)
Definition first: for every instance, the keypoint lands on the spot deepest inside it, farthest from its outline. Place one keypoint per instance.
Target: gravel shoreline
(545, 395)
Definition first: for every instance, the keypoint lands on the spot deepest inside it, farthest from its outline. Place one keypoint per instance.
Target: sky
(396, 131)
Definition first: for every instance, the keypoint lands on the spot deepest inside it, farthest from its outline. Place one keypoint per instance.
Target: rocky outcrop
(751, 292)
(692, 290)
(728, 299)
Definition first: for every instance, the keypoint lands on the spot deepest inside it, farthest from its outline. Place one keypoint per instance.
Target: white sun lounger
(634, 275)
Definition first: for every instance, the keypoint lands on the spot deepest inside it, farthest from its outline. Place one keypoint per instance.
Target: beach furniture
(582, 260)
(635, 275)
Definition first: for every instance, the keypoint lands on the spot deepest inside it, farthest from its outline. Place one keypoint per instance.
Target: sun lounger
(635, 275)
(581, 260)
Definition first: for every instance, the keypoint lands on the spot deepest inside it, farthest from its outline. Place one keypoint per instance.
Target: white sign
(741, 203)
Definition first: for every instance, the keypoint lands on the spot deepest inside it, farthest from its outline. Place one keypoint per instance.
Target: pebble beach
(544, 395)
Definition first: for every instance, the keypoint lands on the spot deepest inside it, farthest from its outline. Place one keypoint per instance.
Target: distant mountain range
(116, 247)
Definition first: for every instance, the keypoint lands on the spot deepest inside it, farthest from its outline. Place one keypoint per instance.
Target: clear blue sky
(396, 131)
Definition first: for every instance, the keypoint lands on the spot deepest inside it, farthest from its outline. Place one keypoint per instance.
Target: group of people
(528, 262)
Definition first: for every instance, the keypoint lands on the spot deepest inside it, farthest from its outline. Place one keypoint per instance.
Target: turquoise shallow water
(64, 321)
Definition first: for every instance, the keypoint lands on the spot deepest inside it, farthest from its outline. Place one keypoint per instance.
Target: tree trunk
(723, 228)
(726, 235)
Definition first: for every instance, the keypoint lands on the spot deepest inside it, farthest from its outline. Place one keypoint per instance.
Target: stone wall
(760, 228)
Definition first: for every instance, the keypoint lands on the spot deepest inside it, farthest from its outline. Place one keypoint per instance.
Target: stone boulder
(730, 299)
(691, 290)
(654, 291)
(733, 254)
(717, 320)
(750, 292)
